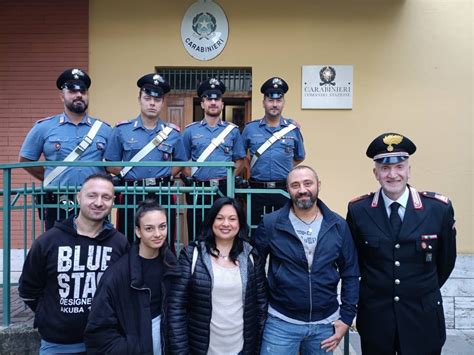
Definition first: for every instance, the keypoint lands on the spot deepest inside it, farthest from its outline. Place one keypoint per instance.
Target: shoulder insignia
(122, 123)
(175, 127)
(290, 120)
(436, 196)
(362, 197)
(45, 119)
(96, 119)
(254, 121)
(192, 124)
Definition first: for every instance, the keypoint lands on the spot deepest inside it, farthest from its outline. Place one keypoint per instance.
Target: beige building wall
(412, 74)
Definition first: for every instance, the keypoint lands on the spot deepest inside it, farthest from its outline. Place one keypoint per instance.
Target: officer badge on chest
(100, 146)
(427, 246)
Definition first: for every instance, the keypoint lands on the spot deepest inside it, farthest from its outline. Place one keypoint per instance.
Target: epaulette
(172, 125)
(362, 197)
(122, 123)
(290, 120)
(103, 122)
(436, 196)
(249, 122)
(45, 119)
(192, 123)
(231, 124)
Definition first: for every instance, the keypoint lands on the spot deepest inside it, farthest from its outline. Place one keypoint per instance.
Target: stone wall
(458, 294)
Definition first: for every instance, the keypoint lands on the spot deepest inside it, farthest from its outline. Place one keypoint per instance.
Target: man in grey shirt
(311, 250)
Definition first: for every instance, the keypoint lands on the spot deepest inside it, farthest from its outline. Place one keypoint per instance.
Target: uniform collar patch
(375, 200)
(417, 204)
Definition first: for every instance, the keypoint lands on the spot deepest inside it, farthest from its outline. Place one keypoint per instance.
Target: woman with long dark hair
(218, 306)
(128, 314)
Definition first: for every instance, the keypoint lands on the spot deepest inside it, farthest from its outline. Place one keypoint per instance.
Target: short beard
(306, 204)
(79, 107)
(213, 115)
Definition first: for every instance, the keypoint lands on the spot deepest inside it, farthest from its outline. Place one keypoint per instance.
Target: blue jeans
(52, 348)
(280, 337)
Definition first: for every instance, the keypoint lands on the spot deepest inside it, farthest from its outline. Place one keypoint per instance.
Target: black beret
(274, 88)
(73, 79)
(211, 88)
(390, 148)
(153, 85)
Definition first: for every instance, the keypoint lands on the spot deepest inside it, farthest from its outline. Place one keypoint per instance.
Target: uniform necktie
(395, 219)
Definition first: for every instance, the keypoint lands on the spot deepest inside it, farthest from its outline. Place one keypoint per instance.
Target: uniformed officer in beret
(406, 242)
(275, 146)
(69, 136)
(143, 139)
(210, 140)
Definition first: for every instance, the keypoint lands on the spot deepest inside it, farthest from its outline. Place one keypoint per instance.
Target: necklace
(221, 256)
(310, 230)
(225, 257)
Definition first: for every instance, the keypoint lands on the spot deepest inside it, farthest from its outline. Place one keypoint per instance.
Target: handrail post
(6, 245)
(230, 181)
(346, 343)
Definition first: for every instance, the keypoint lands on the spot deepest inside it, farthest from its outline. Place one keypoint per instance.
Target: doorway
(182, 105)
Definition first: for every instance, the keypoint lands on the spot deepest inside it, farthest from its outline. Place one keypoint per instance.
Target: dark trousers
(127, 210)
(265, 203)
(390, 346)
(53, 214)
(195, 216)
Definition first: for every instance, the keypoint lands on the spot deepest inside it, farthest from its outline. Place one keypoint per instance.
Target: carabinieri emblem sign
(204, 30)
(327, 86)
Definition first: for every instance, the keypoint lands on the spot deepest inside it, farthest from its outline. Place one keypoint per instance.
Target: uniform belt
(211, 182)
(149, 181)
(278, 184)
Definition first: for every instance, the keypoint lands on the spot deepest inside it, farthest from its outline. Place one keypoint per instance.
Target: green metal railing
(30, 199)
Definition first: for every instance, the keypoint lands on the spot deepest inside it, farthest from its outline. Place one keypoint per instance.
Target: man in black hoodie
(63, 268)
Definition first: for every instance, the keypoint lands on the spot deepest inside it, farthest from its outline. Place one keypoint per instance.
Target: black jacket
(190, 305)
(401, 276)
(120, 318)
(60, 275)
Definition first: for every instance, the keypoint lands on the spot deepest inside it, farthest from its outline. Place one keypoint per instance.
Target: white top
(227, 319)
